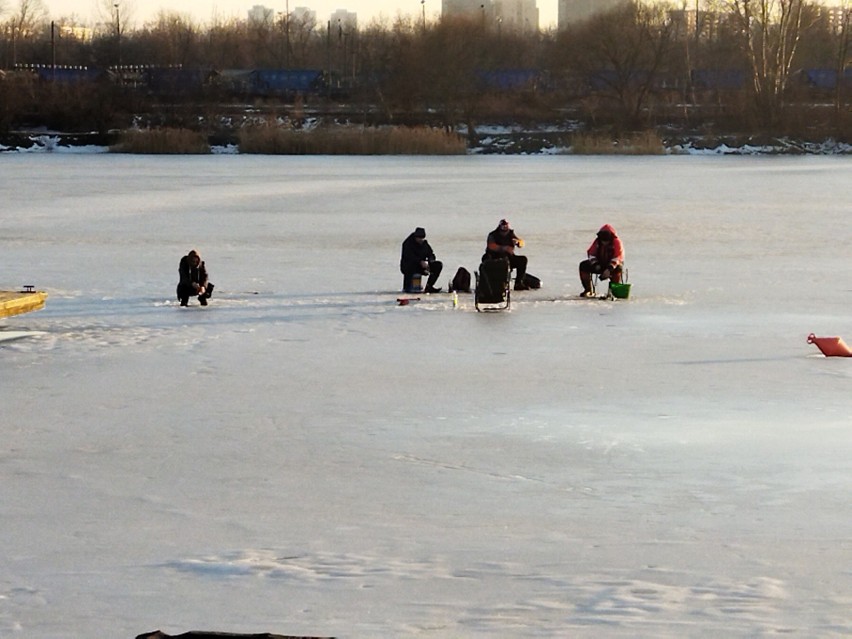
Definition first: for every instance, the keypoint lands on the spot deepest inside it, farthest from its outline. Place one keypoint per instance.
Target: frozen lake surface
(306, 457)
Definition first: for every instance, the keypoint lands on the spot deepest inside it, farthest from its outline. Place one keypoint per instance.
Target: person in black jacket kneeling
(419, 259)
(193, 279)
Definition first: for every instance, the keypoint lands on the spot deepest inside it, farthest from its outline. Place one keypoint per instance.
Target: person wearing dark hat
(419, 259)
(193, 279)
(501, 244)
(605, 257)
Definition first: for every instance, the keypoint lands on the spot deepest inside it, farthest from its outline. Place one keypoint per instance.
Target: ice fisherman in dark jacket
(500, 245)
(418, 258)
(193, 279)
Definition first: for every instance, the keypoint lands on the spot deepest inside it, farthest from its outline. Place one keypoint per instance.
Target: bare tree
(769, 33)
(172, 39)
(116, 19)
(22, 23)
(844, 55)
(448, 57)
(621, 53)
(225, 44)
(263, 35)
(116, 16)
(302, 33)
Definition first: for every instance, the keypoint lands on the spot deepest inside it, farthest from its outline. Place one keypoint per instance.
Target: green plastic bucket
(620, 291)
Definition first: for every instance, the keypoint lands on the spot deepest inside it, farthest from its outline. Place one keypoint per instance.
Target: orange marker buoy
(830, 346)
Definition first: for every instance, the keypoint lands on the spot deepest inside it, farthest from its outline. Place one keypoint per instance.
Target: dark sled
(493, 286)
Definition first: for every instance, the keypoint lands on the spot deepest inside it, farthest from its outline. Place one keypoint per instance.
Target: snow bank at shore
(503, 140)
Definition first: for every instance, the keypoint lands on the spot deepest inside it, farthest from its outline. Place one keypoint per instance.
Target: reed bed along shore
(162, 141)
(639, 143)
(271, 139)
(279, 140)
(348, 140)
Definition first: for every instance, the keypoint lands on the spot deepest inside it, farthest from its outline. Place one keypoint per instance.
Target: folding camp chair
(493, 290)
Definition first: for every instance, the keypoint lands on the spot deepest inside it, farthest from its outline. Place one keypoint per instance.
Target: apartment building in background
(344, 21)
(509, 15)
(569, 11)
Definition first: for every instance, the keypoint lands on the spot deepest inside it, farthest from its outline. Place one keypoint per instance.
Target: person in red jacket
(605, 257)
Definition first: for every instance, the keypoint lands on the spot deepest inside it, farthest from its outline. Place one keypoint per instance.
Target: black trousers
(185, 291)
(597, 268)
(517, 262)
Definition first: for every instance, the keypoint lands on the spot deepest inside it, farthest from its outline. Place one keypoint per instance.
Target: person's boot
(202, 299)
(184, 301)
(586, 280)
(430, 283)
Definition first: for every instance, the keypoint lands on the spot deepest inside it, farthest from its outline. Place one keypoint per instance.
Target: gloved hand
(605, 274)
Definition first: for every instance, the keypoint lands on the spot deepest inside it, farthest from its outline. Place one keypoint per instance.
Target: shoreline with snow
(493, 140)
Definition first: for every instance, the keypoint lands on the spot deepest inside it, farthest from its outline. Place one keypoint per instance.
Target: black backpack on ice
(532, 281)
(461, 281)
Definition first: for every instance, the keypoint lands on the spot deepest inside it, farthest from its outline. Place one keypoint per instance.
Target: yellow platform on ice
(17, 302)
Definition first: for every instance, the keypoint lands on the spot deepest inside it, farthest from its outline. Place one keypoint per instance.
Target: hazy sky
(203, 10)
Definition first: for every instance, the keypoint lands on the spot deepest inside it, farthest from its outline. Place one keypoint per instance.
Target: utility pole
(328, 50)
(118, 32)
(287, 35)
(53, 47)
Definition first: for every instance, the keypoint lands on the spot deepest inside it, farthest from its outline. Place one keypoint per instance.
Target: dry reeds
(350, 140)
(162, 141)
(641, 143)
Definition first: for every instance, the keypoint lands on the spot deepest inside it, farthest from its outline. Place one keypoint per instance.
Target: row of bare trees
(618, 65)
(771, 33)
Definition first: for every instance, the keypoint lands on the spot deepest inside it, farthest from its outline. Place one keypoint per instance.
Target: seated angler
(418, 259)
(605, 258)
(500, 244)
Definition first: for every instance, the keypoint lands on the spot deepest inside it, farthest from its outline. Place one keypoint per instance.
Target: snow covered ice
(304, 456)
